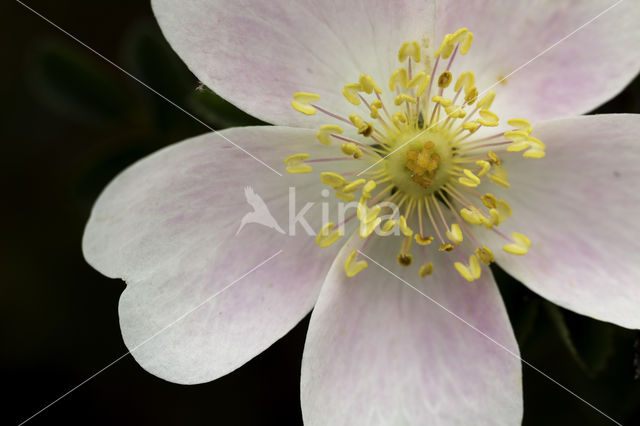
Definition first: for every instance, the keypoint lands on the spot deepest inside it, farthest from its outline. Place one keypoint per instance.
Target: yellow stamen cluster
(416, 148)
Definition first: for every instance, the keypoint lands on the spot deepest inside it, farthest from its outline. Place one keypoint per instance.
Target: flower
(377, 352)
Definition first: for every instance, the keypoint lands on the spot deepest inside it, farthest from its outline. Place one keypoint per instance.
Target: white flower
(377, 352)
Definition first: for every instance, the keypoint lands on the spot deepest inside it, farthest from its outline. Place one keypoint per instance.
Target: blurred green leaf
(521, 303)
(76, 85)
(589, 341)
(148, 56)
(215, 110)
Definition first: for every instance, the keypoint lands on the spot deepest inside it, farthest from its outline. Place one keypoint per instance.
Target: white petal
(257, 54)
(169, 226)
(586, 61)
(380, 353)
(578, 206)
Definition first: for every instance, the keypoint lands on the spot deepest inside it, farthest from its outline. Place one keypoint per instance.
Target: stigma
(421, 173)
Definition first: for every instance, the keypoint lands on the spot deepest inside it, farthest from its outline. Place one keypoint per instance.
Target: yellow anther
(472, 271)
(409, 49)
(399, 117)
(353, 186)
(405, 259)
(500, 180)
(472, 216)
(352, 267)
(388, 226)
(465, 38)
(466, 80)
(487, 100)
(367, 188)
(404, 228)
(404, 98)
(494, 157)
(469, 179)
(350, 148)
(375, 106)
(366, 228)
(332, 179)
(455, 234)
(519, 138)
(485, 255)
(485, 167)
(399, 76)
(442, 101)
(492, 220)
(471, 126)
(423, 241)
(537, 149)
(471, 97)
(457, 36)
(444, 80)
(504, 210)
(465, 44)
(350, 91)
(520, 124)
(426, 269)
(345, 196)
(446, 47)
(421, 80)
(366, 214)
(295, 163)
(326, 236)
(446, 247)
(490, 201)
(368, 85)
(302, 100)
(520, 245)
(324, 134)
(488, 119)
(455, 111)
(364, 128)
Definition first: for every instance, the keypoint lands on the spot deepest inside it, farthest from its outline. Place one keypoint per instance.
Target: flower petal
(578, 207)
(378, 352)
(257, 54)
(574, 76)
(170, 227)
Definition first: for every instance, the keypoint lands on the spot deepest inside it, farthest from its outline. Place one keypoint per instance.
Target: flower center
(419, 161)
(422, 163)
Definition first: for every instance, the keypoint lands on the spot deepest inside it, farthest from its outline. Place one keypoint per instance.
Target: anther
(423, 241)
(485, 255)
(444, 80)
(324, 134)
(405, 259)
(472, 271)
(301, 102)
(409, 49)
(426, 269)
(326, 236)
(350, 91)
(520, 246)
(353, 267)
(368, 85)
(295, 163)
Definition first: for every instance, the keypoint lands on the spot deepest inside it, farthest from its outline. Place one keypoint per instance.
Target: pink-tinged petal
(380, 353)
(170, 227)
(578, 206)
(257, 54)
(574, 76)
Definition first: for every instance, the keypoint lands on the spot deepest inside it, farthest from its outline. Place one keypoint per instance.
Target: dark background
(69, 122)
